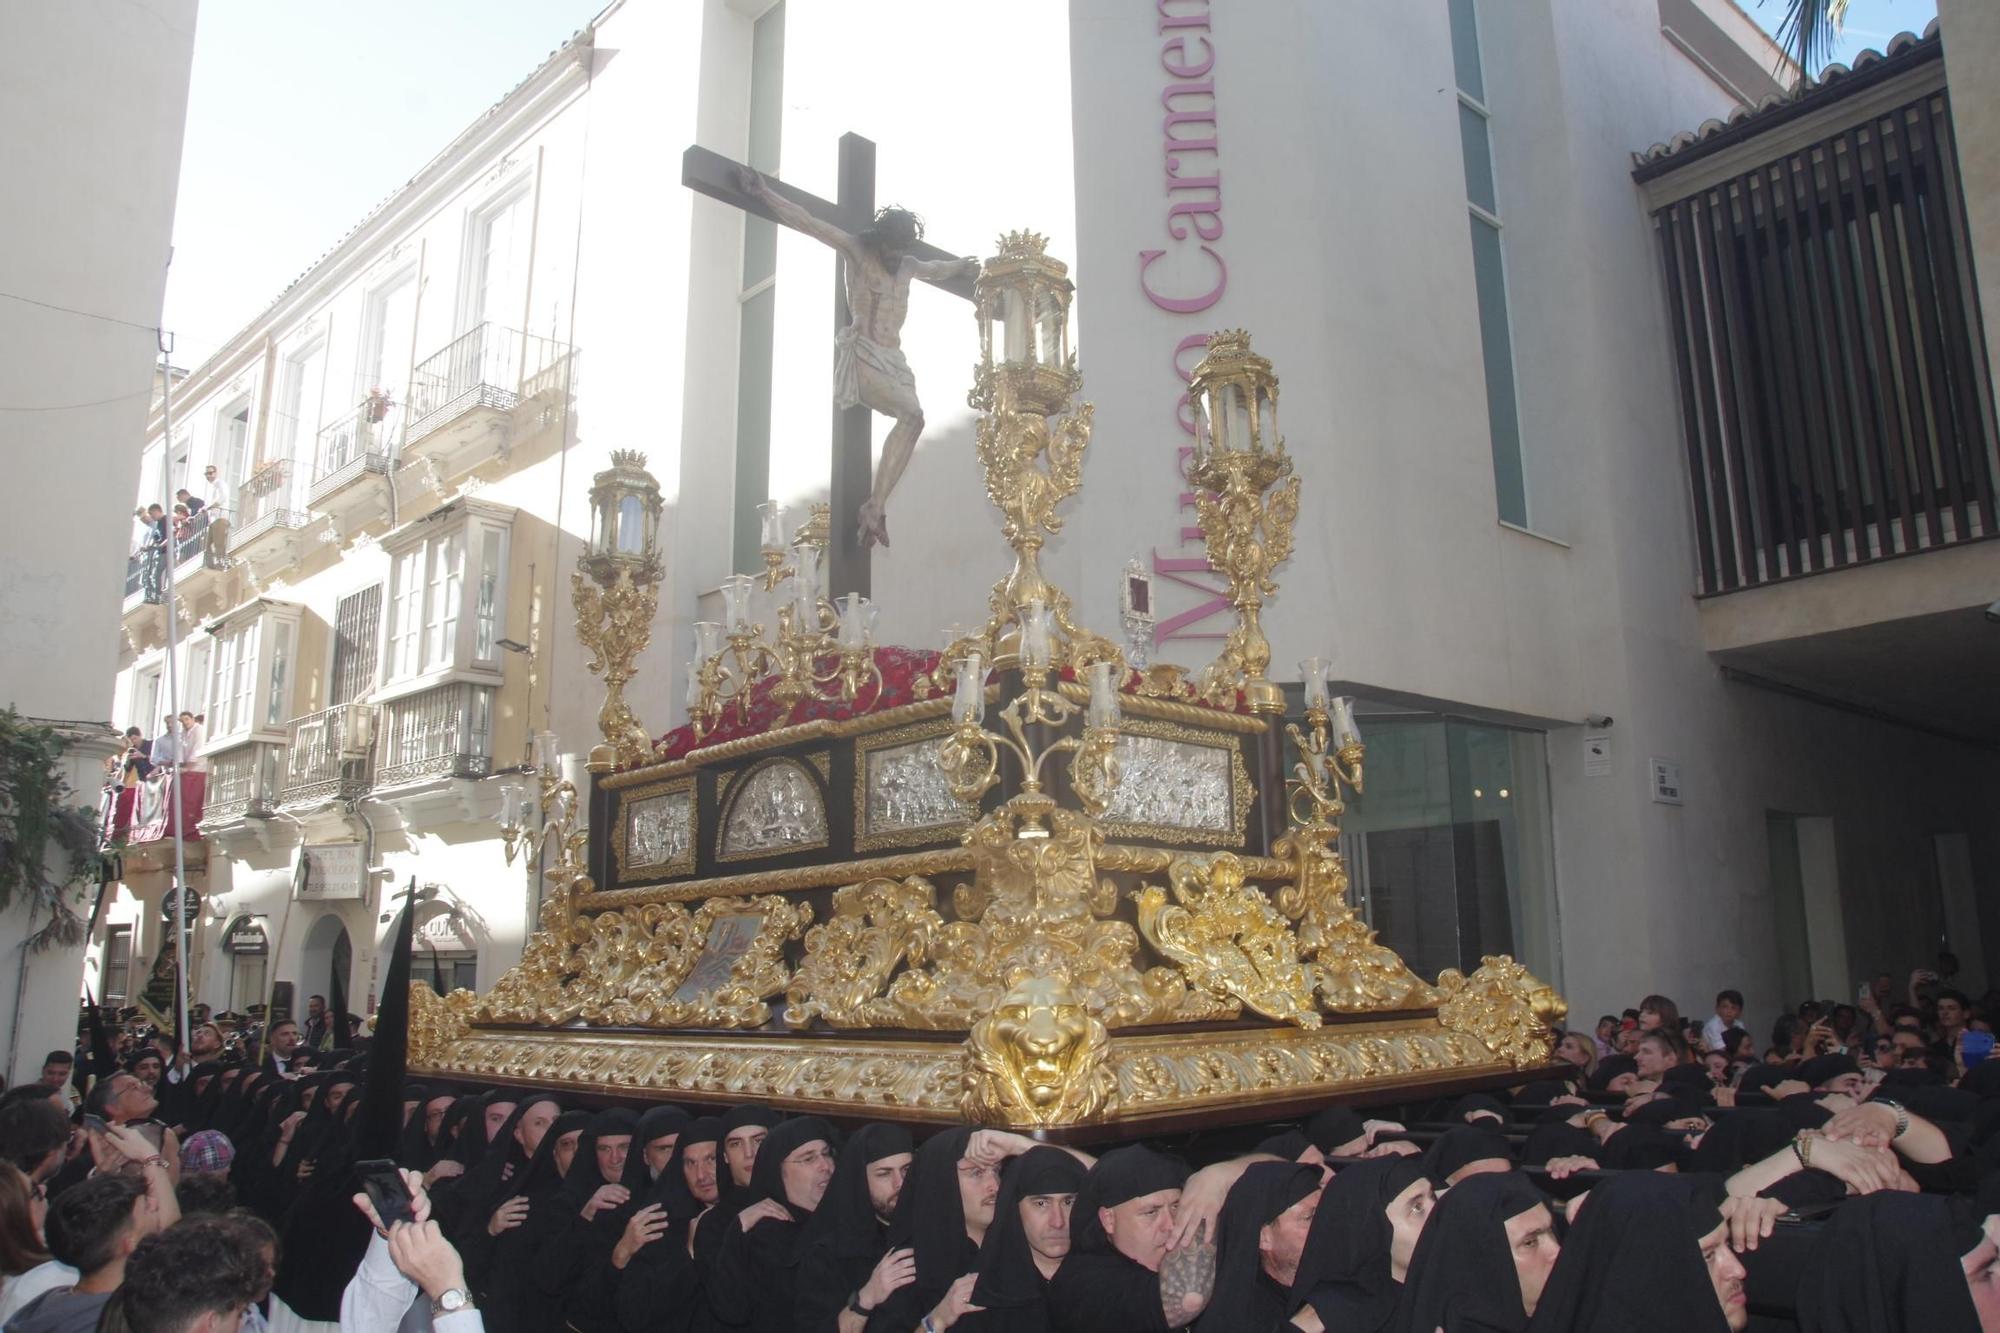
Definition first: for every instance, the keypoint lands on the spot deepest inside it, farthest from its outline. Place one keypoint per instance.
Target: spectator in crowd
(23, 1204)
(93, 1229)
(200, 1277)
(188, 502)
(1728, 1014)
(57, 1066)
(283, 1043)
(318, 1029)
(194, 734)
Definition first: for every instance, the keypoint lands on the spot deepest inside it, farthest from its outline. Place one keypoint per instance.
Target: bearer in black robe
(1483, 1260)
(1122, 1274)
(572, 1264)
(1891, 1262)
(498, 1250)
(653, 1143)
(1263, 1232)
(660, 1287)
(1363, 1235)
(946, 1207)
(754, 1285)
(1649, 1253)
(845, 1265)
(505, 1149)
(1026, 1244)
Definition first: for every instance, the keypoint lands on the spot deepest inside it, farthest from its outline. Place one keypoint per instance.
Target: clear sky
(303, 116)
(1870, 23)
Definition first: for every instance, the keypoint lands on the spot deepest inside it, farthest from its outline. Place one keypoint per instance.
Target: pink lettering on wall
(1197, 278)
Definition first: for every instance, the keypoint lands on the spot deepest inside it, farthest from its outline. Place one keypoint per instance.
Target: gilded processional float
(1016, 881)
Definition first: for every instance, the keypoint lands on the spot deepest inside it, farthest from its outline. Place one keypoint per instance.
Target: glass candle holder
(1103, 710)
(968, 700)
(1314, 671)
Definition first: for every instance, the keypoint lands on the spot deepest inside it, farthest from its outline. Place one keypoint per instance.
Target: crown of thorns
(891, 213)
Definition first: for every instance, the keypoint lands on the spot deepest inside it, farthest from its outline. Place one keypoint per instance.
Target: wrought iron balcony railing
(363, 440)
(443, 732)
(489, 366)
(243, 783)
(268, 500)
(330, 755)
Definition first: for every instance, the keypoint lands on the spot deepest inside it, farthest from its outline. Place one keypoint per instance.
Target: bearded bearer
(869, 369)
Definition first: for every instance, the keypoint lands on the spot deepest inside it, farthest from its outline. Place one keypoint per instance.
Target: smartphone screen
(1976, 1046)
(386, 1190)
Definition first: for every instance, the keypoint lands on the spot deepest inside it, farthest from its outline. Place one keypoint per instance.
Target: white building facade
(1425, 215)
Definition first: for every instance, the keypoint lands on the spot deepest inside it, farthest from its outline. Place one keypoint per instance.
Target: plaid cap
(207, 1150)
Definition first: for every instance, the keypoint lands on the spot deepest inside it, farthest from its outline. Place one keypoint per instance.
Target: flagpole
(168, 559)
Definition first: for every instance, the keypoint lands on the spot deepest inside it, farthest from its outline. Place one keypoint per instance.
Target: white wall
(95, 93)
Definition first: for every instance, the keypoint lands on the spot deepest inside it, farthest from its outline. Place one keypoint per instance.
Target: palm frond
(1810, 32)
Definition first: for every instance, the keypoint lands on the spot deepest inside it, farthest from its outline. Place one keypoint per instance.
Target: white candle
(1235, 419)
(1016, 317)
(1103, 710)
(968, 702)
(773, 515)
(1034, 634)
(1345, 733)
(736, 602)
(1314, 672)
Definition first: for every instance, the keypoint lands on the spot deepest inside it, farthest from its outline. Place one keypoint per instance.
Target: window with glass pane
(275, 710)
(1449, 850)
(117, 964)
(445, 560)
(406, 612)
(487, 612)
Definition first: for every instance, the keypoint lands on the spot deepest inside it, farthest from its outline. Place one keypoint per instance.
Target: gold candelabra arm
(970, 760)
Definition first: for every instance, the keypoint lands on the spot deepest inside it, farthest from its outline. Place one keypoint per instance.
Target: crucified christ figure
(869, 368)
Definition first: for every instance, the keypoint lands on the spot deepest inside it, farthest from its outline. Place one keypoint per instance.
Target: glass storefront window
(1449, 851)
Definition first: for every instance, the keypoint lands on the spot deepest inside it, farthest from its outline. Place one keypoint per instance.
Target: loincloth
(851, 351)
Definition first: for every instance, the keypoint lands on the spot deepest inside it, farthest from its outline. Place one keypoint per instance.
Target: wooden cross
(853, 432)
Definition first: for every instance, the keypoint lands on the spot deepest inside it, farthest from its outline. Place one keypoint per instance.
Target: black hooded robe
(1633, 1261)
(1098, 1289)
(1011, 1288)
(930, 1218)
(754, 1284)
(1462, 1277)
(845, 1239)
(1244, 1298)
(1347, 1273)
(572, 1265)
(662, 1288)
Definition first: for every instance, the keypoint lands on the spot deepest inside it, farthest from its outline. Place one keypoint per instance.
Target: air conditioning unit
(357, 732)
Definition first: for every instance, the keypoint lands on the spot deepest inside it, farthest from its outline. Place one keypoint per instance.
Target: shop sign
(334, 870)
(246, 936)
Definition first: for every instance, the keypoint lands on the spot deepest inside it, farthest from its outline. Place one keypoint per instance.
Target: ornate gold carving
(651, 966)
(1356, 973)
(1032, 910)
(615, 622)
(438, 1021)
(1038, 1059)
(1242, 795)
(1157, 1074)
(621, 828)
(1228, 939)
(876, 927)
(1238, 456)
(1505, 1006)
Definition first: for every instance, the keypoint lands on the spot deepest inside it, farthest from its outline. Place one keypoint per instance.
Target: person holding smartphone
(406, 1262)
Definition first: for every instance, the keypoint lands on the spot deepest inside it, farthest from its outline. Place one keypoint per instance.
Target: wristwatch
(1902, 1115)
(451, 1301)
(854, 1304)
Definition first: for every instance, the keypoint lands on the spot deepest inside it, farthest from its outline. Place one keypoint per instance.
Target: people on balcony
(153, 555)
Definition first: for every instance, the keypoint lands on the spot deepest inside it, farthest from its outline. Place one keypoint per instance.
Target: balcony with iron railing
(442, 732)
(330, 755)
(243, 782)
(466, 400)
(189, 544)
(362, 442)
(267, 501)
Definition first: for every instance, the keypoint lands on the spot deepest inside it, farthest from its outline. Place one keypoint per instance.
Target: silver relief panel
(777, 808)
(1172, 784)
(907, 791)
(659, 831)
